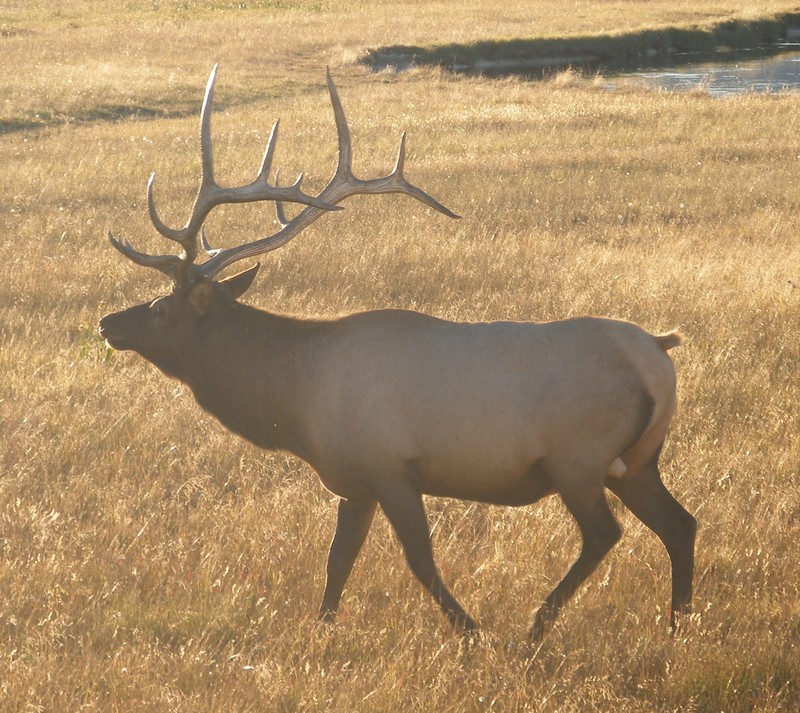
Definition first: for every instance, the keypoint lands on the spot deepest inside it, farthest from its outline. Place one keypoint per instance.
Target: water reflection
(773, 74)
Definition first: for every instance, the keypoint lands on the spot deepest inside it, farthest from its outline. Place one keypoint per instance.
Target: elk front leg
(402, 504)
(352, 526)
(600, 532)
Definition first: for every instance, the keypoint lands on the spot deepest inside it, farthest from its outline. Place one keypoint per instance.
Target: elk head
(161, 330)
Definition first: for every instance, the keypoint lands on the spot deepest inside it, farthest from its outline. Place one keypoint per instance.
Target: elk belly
(617, 468)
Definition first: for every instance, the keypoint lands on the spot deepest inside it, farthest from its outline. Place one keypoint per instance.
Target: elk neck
(250, 370)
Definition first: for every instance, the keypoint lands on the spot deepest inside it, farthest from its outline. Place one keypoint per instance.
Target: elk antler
(209, 195)
(342, 185)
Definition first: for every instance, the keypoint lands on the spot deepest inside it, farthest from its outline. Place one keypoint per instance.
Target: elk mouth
(115, 340)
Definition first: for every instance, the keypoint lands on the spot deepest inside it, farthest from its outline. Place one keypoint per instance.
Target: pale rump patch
(617, 468)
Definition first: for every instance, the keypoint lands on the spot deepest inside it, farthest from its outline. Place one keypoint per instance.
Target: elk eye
(159, 309)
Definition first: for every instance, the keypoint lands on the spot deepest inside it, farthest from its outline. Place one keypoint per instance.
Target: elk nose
(107, 332)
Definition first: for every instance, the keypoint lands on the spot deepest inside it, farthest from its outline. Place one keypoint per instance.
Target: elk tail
(669, 340)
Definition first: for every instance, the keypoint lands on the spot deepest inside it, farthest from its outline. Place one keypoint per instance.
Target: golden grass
(77, 63)
(151, 561)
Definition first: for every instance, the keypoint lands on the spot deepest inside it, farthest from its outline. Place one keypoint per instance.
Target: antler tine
(344, 166)
(269, 151)
(168, 264)
(210, 250)
(177, 235)
(395, 182)
(399, 184)
(281, 215)
(187, 236)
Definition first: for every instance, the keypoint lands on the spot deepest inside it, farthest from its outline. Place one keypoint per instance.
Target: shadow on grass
(612, 53)
(177, 108)
(120, 112)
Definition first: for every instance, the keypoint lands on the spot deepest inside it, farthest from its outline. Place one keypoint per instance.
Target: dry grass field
(150, 561)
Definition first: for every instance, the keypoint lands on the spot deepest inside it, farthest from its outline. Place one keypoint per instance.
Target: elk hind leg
(352, 526)
(646, 496)
(600, 532)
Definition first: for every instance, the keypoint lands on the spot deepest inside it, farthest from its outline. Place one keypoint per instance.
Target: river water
(723, 74)
(779, 73)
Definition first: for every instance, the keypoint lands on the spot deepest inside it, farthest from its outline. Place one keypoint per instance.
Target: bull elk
(391, 405)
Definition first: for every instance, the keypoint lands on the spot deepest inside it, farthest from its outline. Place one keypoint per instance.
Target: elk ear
(239, 284)
(201, 297)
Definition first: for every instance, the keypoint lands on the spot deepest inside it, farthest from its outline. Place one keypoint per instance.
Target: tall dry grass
(151, 561)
